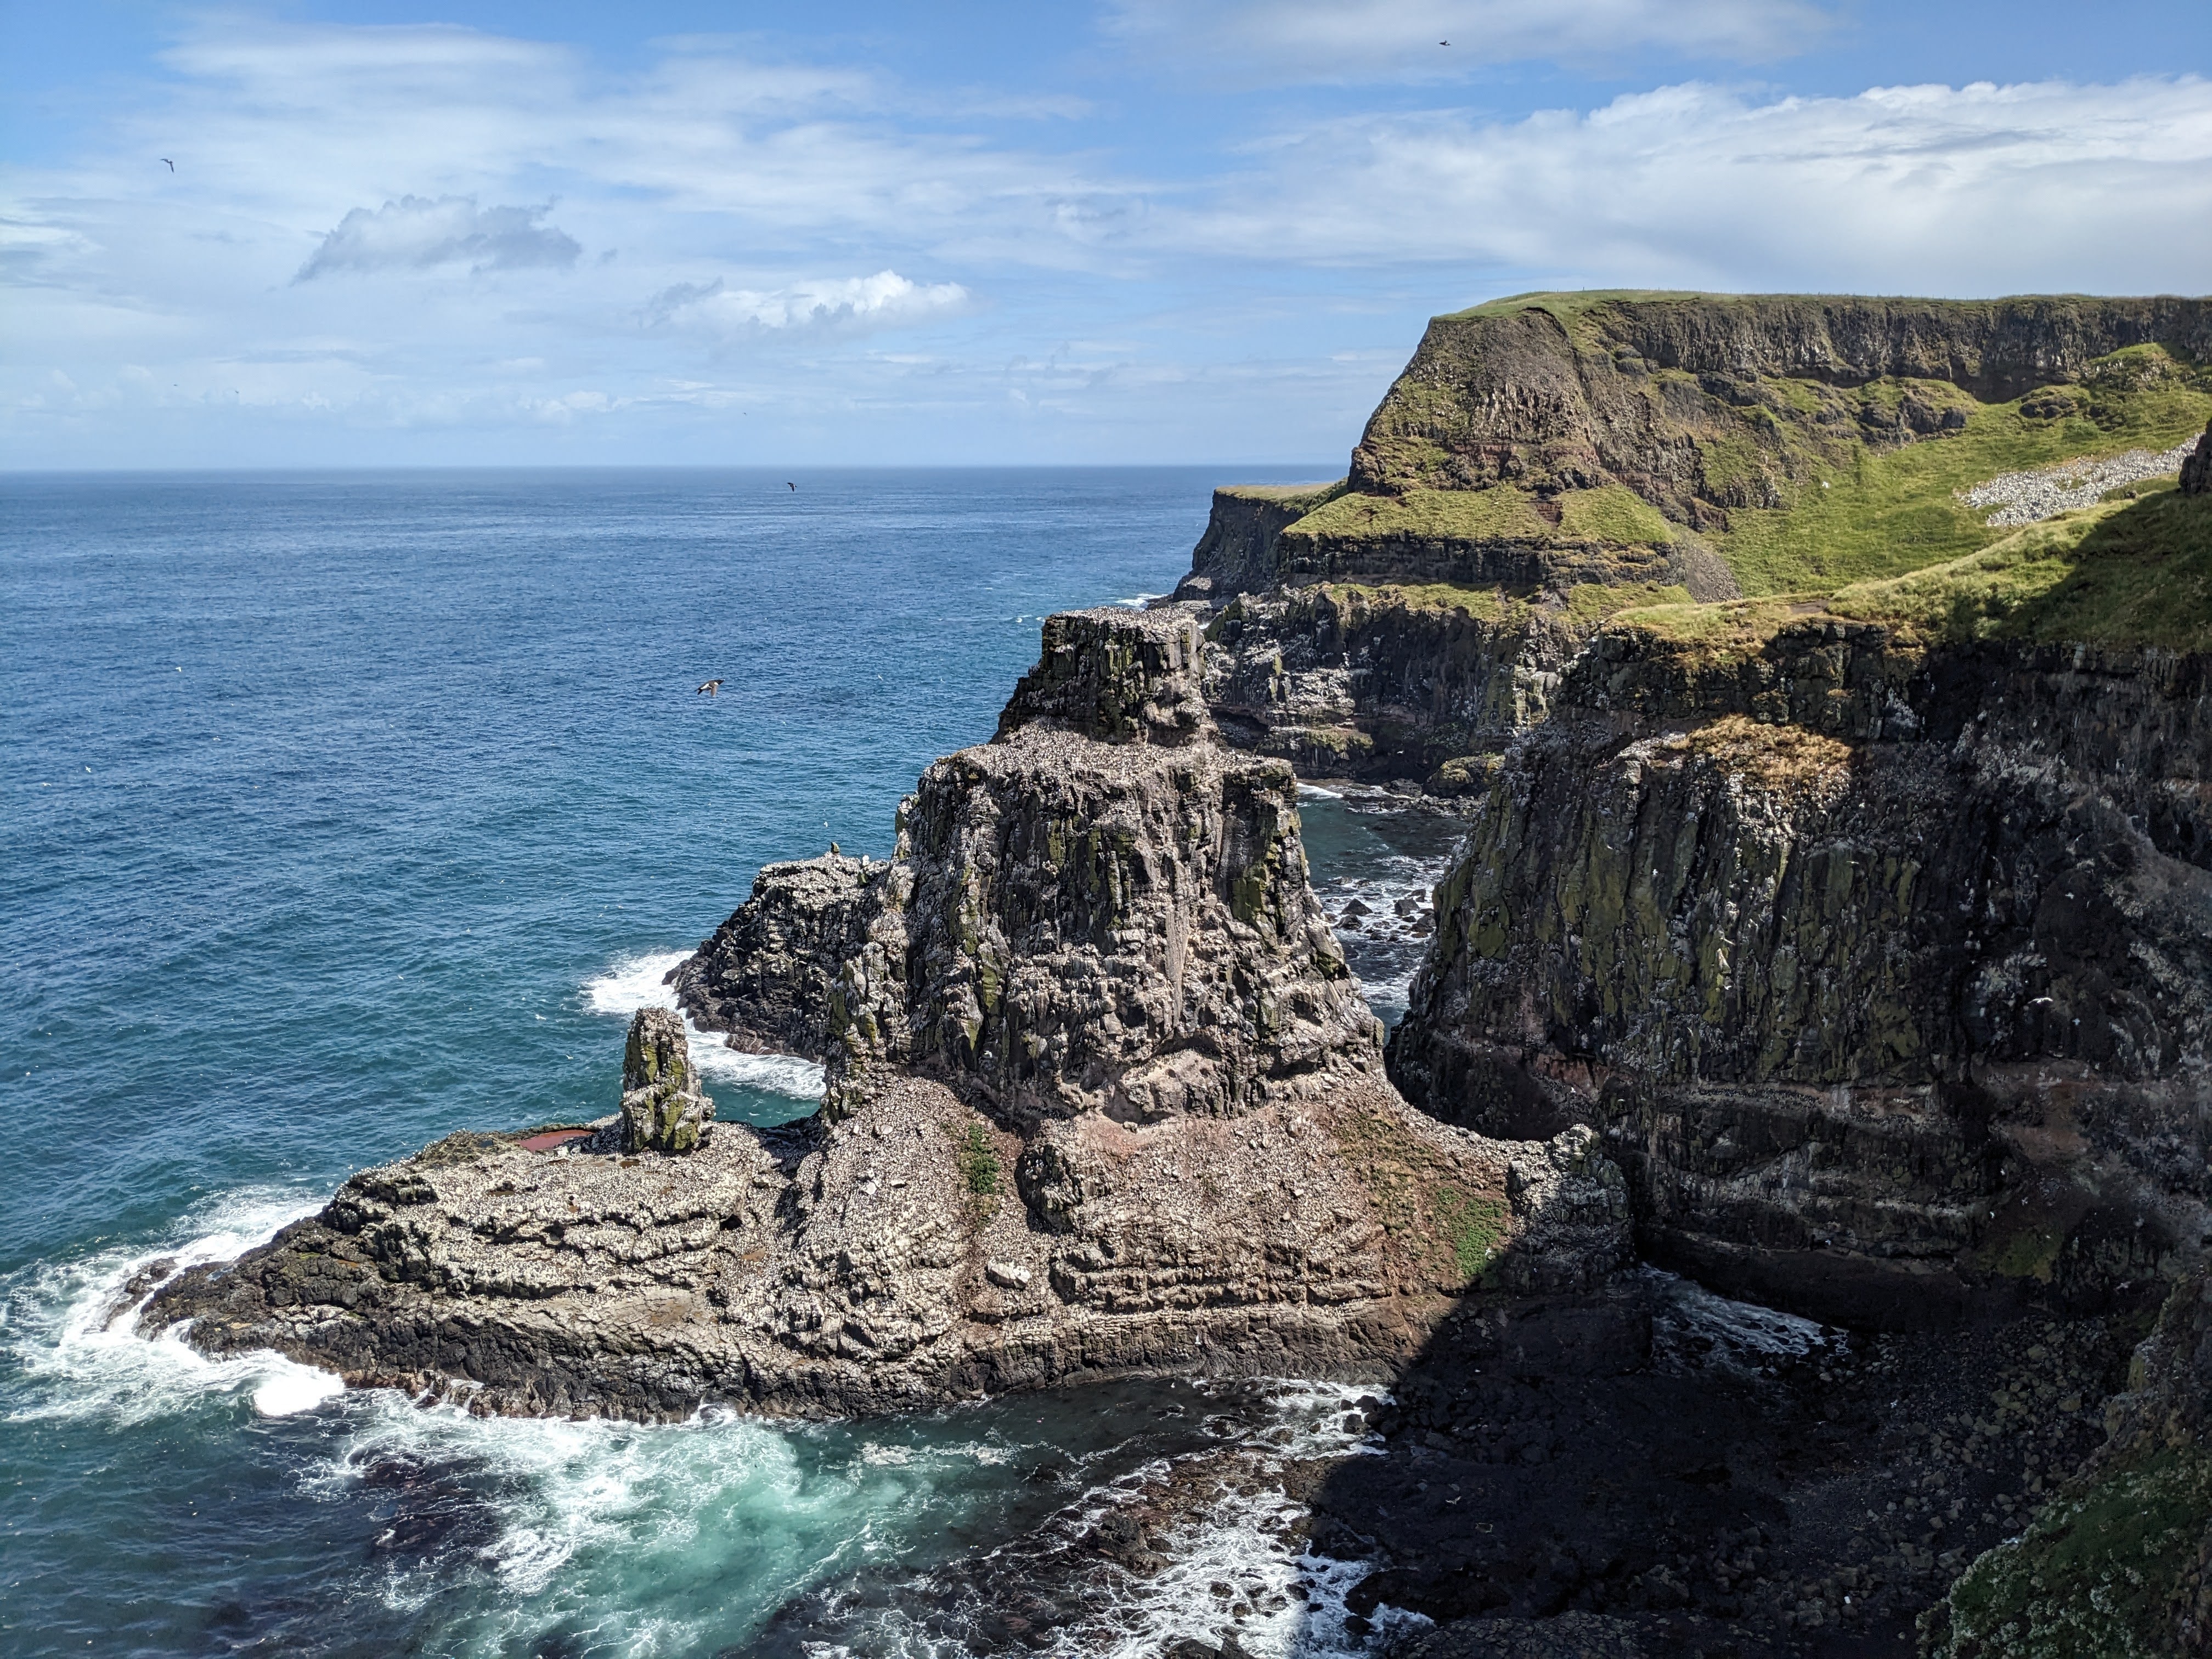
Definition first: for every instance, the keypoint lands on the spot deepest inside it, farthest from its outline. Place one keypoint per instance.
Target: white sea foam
(1700, 1326)
(1283, 1603)
(1315, 791)
(1140, 601)
(635, 983)
(73, 1333)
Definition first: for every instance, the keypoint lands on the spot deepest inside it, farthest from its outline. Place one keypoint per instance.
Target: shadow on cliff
(1655, 1471)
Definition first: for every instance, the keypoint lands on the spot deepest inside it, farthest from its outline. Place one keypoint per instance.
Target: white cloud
(1355, 41)
(414, 234)
(845, 304)
(1931, 190)
(741, 193)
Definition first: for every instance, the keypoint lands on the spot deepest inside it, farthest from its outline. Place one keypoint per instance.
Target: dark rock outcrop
(2197, 468)
(1883, 968)
(1237, 554)
(1101, 1096)
(765, 977)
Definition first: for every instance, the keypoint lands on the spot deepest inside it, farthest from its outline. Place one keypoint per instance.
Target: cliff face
(1547, 461)
(1237, 554)
(1882, 965)
(1101, 1096)
(1660, 391)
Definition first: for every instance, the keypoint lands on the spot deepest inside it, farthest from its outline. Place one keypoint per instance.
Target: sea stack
(663, 1108)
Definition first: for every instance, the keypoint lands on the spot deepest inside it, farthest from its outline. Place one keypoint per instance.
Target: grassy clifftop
(1810, 441)
(2130, 573)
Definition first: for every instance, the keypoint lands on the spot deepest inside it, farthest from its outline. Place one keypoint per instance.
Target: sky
(416, 231)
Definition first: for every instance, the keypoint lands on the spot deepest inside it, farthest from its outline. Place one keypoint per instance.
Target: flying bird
(172, 166)
(794, 488)
(709, 688)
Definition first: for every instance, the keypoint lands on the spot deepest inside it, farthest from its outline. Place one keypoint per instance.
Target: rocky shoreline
(1845, 952)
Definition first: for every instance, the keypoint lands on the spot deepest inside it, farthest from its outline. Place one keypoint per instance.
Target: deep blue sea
(344, 811)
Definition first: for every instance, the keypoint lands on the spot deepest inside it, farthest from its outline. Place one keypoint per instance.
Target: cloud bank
(850, 304)
(1966, 190)
(349, 242)
(414, 234)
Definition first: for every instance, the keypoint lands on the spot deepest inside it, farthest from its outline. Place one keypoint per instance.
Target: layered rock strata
(1102, 1097)
(1882, 967)
(1546, 460)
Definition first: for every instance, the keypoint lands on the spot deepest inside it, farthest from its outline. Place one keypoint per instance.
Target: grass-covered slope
(1810, 441)
(2127, 574)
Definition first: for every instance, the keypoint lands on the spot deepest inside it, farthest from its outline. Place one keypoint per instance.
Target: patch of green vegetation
(1885, 512)
(2095, 1576)
(1303, 496)
(980, 1171)
(1569, 306)
(1734, 627)
(1613, 513)
(2125, 573)
(1500, 514)
(1472, 1224)
(2131, 574)
(1482, 604)
(1591, 603)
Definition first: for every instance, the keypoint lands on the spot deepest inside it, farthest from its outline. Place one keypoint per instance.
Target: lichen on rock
(663, 1110)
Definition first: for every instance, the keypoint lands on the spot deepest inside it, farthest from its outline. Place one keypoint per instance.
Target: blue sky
(1129, 231)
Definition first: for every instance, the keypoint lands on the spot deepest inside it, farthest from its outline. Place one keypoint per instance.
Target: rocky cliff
(1547, 460)
(1882, 965)
(1101, 1096)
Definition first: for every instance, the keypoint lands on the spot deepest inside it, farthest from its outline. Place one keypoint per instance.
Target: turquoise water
(344, 811)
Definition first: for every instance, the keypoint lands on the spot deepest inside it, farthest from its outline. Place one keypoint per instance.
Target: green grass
(980, 1171)
(1586, 603)
(1571, 305)
(2133, 573)
(1613, 514)
(2095, 1575)
(2130, 573)
(1309, 496)
(1888, 512)
(1503, 514)
(1473, 1222)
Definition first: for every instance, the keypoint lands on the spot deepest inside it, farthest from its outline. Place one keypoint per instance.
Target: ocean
(345, 811)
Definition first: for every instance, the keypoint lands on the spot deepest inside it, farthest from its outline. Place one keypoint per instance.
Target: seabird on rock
(709, 688)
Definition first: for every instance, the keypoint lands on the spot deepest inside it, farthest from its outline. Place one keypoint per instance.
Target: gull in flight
(171, 165)
(710, 687)
(794, 488)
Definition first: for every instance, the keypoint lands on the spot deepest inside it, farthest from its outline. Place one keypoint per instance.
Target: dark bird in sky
(1443, 43)
(172, 166)
(787, 484)
(710, 687)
